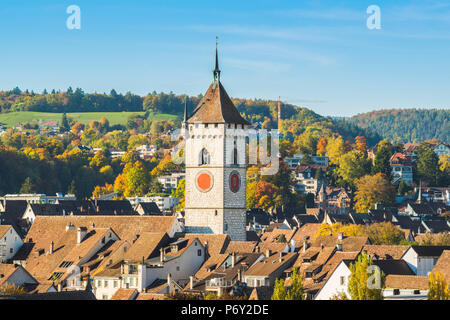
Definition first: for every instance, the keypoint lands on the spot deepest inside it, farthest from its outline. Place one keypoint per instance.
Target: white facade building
(10, 243)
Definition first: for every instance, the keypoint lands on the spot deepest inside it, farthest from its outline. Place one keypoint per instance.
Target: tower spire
(216, 71)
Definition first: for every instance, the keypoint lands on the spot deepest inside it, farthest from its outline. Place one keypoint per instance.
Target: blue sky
(317, 54)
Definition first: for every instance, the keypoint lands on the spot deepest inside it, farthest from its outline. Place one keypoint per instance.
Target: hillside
(12, 118)
(408, 125)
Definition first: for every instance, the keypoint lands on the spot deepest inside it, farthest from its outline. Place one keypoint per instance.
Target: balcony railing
(218, 282)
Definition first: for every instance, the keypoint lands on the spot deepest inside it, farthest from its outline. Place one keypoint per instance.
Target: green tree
(358, 283)
(428, 166)
(28, 186)
(64, 125)
(381, 161)
(352, 166)
(295, 291)
(279, 291)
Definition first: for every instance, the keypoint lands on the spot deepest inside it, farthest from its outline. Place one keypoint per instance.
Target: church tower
(215, 158)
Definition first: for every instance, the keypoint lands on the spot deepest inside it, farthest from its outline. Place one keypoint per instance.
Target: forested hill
(407, 125)
(296, 120)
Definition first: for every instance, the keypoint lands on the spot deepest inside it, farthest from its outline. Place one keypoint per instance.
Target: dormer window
(204, 157)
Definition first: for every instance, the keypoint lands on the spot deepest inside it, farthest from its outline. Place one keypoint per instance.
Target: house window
(178, 268)
(199, 252)
(106, 284)
(115, 283)
(342, 281)
(204, 157)
(11, 250)
(396, 292)
(105, 297)
(99, 284)
(416, 291)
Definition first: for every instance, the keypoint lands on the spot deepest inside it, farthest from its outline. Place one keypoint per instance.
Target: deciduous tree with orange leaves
(371, 190)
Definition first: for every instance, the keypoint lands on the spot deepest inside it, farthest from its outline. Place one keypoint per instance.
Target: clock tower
(215, 157)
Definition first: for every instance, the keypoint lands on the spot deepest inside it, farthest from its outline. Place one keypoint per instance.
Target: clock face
(204, 181)
(235, 181)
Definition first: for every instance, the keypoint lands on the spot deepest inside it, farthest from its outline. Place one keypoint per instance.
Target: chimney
(52, 247)
(161, 255)
(70, 226)
(233, 259)
(206, 250)
(305, 245)
(191, 282)
(81, 234)
(169, 279)
(268, 253)
(239, 275)
(322, 246)
(339, 247)
(340, 236)
(59, 288)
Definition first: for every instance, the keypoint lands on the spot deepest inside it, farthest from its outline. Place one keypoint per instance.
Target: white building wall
(180, 268)
(334, 286)
(411, 258)
(11, 243)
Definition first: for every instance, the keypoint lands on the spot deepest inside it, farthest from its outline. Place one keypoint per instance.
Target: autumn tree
(322, 146)
(361, 145)
(438, 288)
(371, 190)
(336, 228)
(384, 233)
(360, 287)
(179, 192)
(335, 149)
(77, 127)
(10, 289)
(99, 191)
(294, 291)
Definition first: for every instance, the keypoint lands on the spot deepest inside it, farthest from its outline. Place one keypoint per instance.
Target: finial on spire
(216, 71)
(185, 109)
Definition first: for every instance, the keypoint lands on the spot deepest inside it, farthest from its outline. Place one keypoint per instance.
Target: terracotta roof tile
(124, 294)
(394, 281)
(216, 107)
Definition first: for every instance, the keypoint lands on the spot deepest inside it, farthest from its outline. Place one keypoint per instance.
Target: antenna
(279, 113)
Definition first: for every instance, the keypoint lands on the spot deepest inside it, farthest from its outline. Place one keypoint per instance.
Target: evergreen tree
(72, 188)
(64, 125)
(381, 161)
(428, 166)
(296, 291)
(28, 186)
(279, 291)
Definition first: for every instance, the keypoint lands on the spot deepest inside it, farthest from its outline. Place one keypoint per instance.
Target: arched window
(204, 157)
